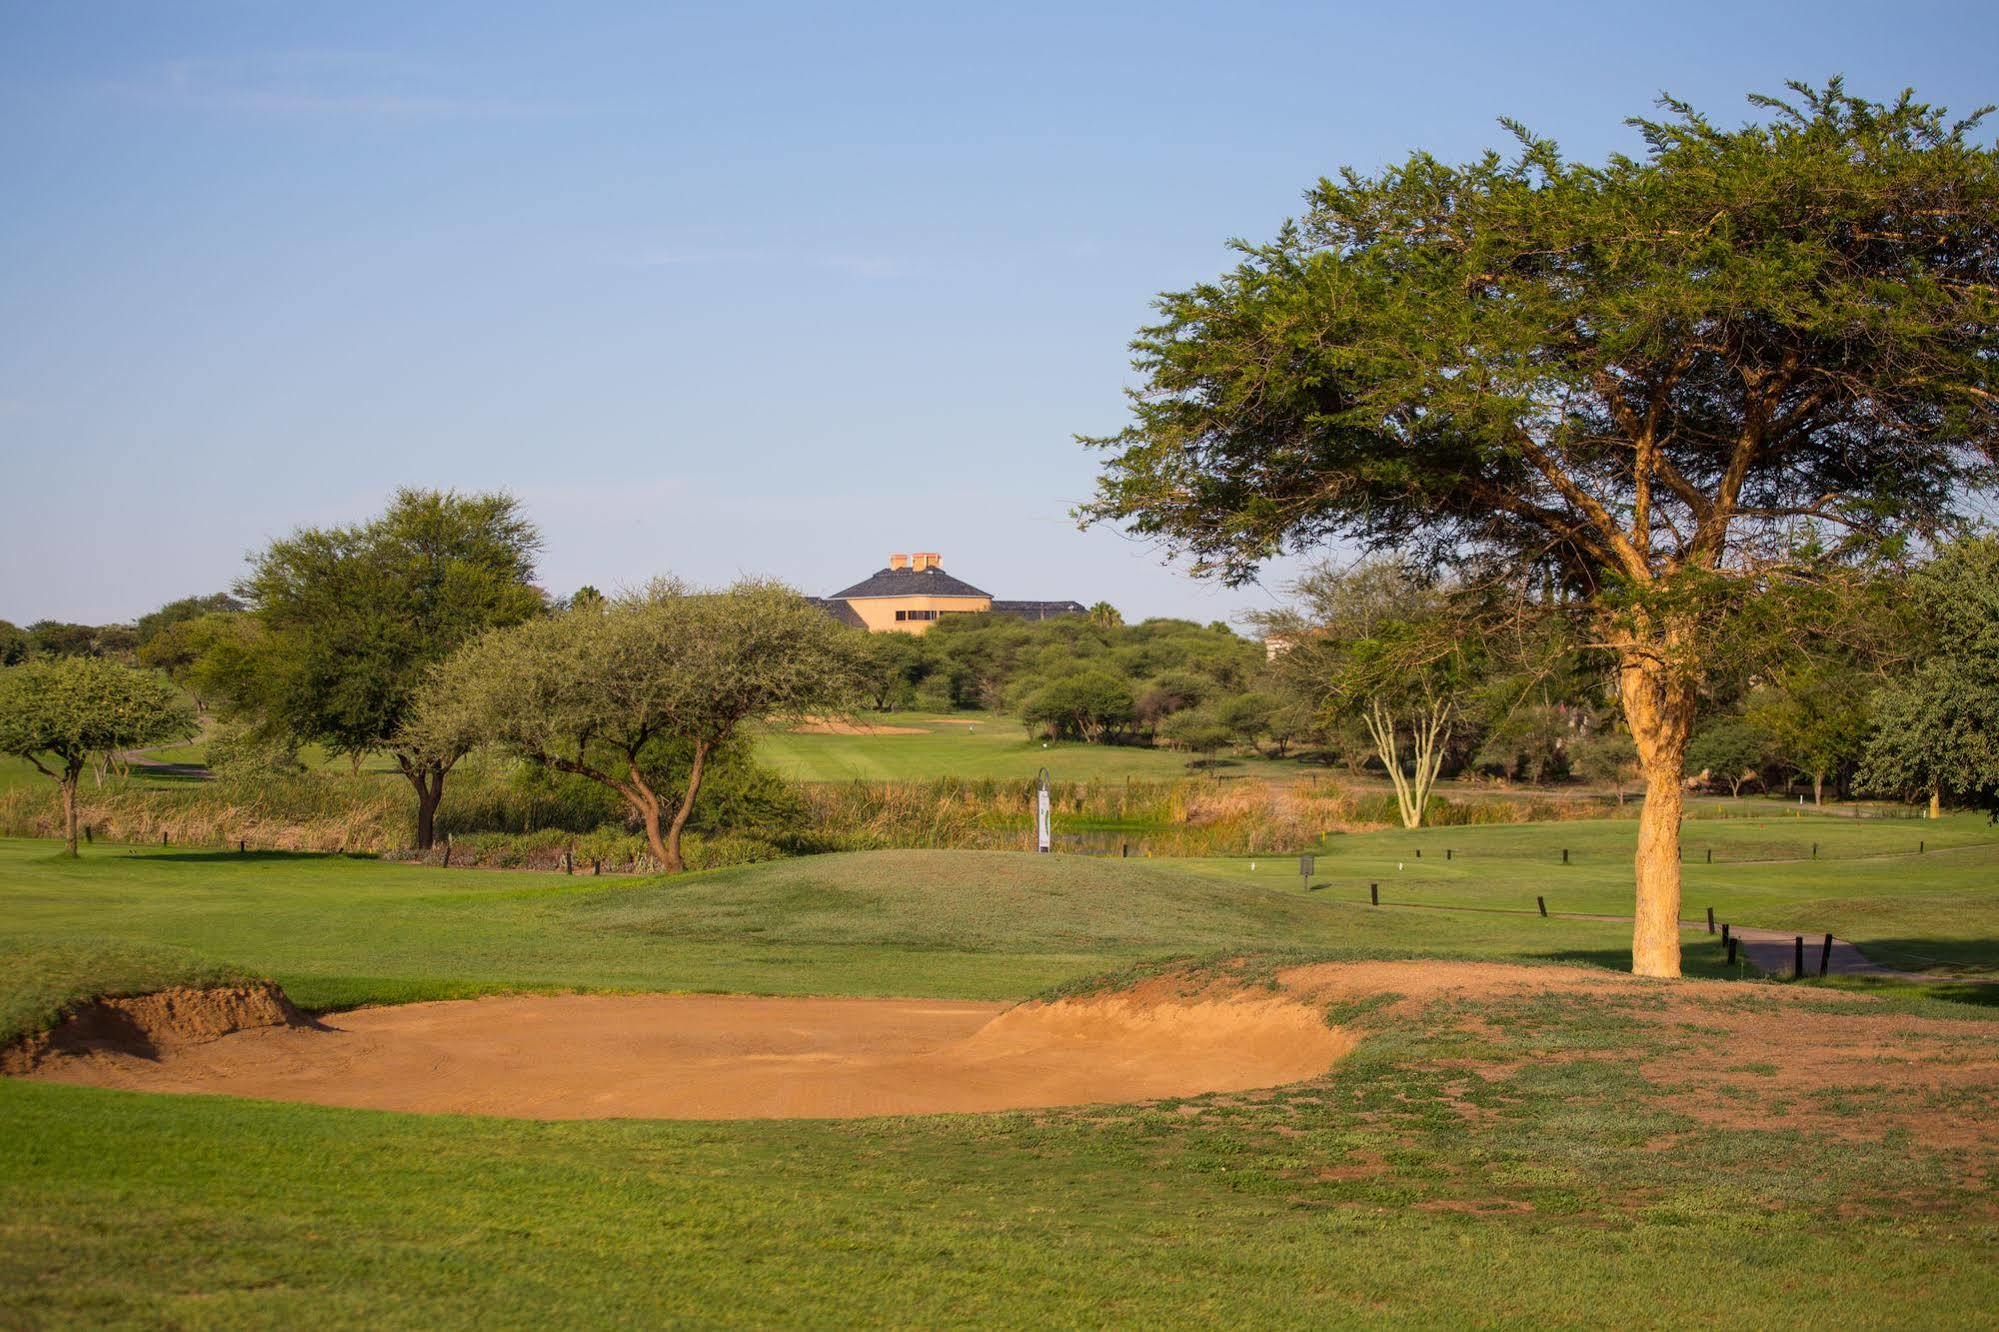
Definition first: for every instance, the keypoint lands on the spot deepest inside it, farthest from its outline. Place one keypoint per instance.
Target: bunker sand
(713, 1057)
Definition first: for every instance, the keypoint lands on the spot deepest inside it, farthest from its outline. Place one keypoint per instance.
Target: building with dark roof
(914, 592)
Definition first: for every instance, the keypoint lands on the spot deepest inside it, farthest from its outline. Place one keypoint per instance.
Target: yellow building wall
(878, 613)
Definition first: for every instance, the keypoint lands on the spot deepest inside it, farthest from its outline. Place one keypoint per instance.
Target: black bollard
(241, 846)
(1542, 902)
(1447, 853)
(1922, 846)
(1800, 965)
(1124, 850)
(1815, 850)
(1710, 855)
(1565, 855)
(1710, 920)
(1724, 931)
(1419, 853)
(163, 839)
(1374, 894)
(1731, 952)
(1825, 955)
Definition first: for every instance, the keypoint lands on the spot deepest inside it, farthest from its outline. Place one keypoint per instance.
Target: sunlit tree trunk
(1659, 705)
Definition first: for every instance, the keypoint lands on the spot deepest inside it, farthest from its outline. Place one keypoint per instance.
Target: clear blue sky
(735, 287)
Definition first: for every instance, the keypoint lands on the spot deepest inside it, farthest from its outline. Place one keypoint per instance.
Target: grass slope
(338, 931)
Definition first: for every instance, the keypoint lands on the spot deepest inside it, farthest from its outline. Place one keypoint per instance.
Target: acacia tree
(61, 713)
(1646, 387)
(352, 617)
(1381, 648)
(620, 695)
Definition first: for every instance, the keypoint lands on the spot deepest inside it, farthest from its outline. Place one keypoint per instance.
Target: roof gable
(931, 582)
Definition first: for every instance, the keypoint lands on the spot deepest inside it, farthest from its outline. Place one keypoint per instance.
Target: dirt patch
(838, 726)
(149, 1026)
(703, 1057)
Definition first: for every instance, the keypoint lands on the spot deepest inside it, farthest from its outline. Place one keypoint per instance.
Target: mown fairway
(928, 746)
(1572, 1187)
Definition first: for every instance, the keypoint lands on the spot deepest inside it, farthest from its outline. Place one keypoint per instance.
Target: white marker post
(1044, 831)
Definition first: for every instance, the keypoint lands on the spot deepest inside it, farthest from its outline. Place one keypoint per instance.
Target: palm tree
(1105, 616)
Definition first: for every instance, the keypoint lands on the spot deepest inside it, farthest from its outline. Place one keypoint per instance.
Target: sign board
(1307, 866)
(1044, 835)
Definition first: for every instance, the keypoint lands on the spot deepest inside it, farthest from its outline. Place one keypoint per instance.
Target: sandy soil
(836, 726)
(704, 1057)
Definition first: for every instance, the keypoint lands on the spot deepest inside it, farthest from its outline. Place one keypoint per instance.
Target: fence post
(1800, 966)
(1710, 855)
(1542, 902)
(1731, 952)
(1565, 855)
(1825, 955)
(1447, 853)
(1710, 920)
(1724, 932)
(1374, 894)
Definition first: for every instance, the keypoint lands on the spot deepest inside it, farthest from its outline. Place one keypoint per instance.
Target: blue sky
(765, 288)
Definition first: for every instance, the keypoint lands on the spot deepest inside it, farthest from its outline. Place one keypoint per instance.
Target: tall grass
(492, 817)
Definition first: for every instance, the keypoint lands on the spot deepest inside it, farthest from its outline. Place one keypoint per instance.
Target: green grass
(337, 931)
(1401, 1189)
(1937, 910)
(975, 745)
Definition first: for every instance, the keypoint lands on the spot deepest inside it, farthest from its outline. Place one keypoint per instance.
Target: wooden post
(1921, 846)
(1565, 855)
(1419, 853)
(1124, 850)
(1710, 920)
(447, 853)
(163, 837)
(1447, 853)
(1815, 850)
(1799, 973)
(1374, 894)
(595, 868)
(568, 860)
(1542, 902)
(1710, 855)
(1825, 955)
(242, 845)
(1731, 952)
(1724, 932)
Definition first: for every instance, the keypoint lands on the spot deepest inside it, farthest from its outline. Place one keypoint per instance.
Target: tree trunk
(428, 779)
(1659, 705)
(1936, 802)
(69, 812)
(672, 861)
(1818, 788)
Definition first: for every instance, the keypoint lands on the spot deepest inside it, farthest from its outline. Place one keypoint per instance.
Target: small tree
(14, 644)
(59, 714)
(1379, 646)
(1199, 730)
(1732, 750)
(621, 696)
(1606, 757)
(1247, 716)
(1816, 718)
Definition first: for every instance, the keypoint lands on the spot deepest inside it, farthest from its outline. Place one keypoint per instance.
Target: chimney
(928, 559)
(898, 561)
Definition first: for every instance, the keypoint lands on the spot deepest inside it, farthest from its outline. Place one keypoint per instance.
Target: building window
(916, 615)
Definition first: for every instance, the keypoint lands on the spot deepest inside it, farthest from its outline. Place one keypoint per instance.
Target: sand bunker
(703, 1057)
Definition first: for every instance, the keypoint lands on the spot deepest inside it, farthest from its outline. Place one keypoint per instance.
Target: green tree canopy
(352, 617)
(1641, 389)
(1937, 726)
(58, 713)
(642, 693)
